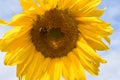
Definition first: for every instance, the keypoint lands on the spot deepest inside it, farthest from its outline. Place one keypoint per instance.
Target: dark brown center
(55, 33)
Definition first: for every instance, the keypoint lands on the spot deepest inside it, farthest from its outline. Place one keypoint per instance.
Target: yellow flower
(55, 38)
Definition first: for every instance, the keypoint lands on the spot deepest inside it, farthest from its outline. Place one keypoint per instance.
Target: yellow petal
(4, 43)
(90, 6)
(13, 37)
(66, 4)
(18, 56)
(96, 44)
(94, 39)
(45, 76)
(87, 7)
(96, 13)
(78, 5)
(43, 68)
(107, 39)
(88, 50)
(65, 71)
(52, 4)
(2, 22)
(47, 4)
(21, 19)
(77, 66)
(57, 69)
(41, 3)
(12, 32)
(89, 19)
(87, 61)
(94, 35)
(24, 66)
(32, 67)
(68, 67)
(28, 5)
(98, 30)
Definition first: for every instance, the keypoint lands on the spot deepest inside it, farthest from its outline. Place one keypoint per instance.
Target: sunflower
(52, 39)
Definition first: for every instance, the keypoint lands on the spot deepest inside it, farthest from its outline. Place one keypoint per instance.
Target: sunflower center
(55, 33)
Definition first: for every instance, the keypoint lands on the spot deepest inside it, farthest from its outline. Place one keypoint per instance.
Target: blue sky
(109, 71)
